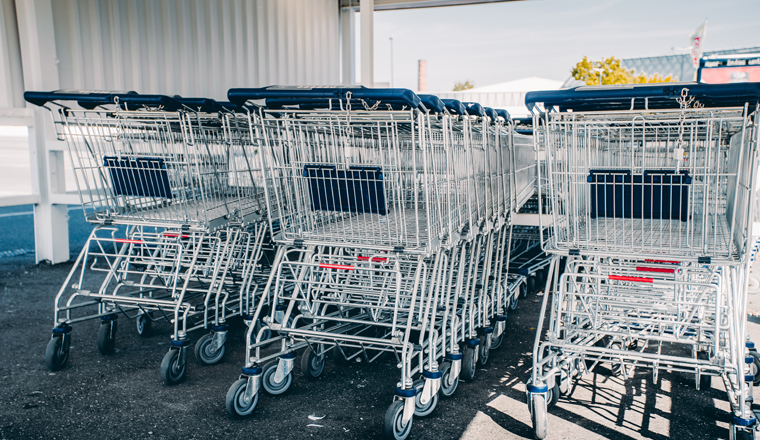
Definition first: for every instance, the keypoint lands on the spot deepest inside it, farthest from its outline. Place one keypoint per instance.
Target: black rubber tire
(469, 363)
(705, 380)
(496, 342)
(144, 325)
(234, 403)
(203, 350)
(267, 380)
(538, 416)
(447, 391)
(755, 367)
(552, 396)
(516, 299)
(392, 428)
(57, 352)
(483, 351)
(524, 289)
(540, 279)
(107, 337)
(312, 366)
(531, 284)
(172, 370)
(427, 409)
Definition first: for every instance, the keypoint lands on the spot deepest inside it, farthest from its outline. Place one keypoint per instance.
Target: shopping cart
(178, 212)
(388, 205)
(649, 191)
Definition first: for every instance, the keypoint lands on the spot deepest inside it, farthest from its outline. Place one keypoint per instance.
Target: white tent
(508, 95)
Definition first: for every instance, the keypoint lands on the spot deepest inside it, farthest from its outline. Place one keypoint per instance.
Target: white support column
(40, 66)
(348, 46)
(366, 9)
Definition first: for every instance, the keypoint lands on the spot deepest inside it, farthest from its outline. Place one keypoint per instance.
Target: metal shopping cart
(649, 190)
(177, 204)
(388, 205)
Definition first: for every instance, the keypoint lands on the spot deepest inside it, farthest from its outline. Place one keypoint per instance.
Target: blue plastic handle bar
(334, 104)
(167, 103)
(475, 109)
(504, 114)
(240, 96)
(203, 105)
(455, 106)
(491, 113)
(42, 98)
(432, 103)
(651, 96)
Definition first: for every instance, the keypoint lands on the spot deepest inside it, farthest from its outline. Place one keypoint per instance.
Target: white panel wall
(11, 76)
(195, 47)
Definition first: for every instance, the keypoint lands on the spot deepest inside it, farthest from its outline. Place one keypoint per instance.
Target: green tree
(467, 85)
(612, 72)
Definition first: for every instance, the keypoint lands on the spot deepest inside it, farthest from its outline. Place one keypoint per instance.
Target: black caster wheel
(515, 299)
(338, 356)
(269, 383)
(235, 402)
(755, 367)
(205, 353)
(312, 366)
(144, 325)
(57, 352)
(469, 363)
(173, 366)
(523, 290)
(484, 349)
(446, 389)
(538, 416)
(425, 410)
(496, 342)
(532, 284)
(552, 396)
(393, 426)
(107, 337)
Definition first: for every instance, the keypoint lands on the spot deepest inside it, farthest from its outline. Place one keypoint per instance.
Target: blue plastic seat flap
(654, 194)
(358, 189)
(141, 176)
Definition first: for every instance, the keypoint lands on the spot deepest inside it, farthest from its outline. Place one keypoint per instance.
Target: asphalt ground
(122, 396)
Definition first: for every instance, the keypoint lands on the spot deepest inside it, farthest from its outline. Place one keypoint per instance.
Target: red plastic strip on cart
(634, 279)
(173, 235)
(124, 240)
(374, 259)
(663, 261)
(655, 269)
(336, 266)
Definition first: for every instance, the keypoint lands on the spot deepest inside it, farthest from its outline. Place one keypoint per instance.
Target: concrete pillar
(348, 46)
(366, 9)
(40, 67)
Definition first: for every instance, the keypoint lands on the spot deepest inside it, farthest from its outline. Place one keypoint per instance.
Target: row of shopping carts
(385, 216)
(649, 198)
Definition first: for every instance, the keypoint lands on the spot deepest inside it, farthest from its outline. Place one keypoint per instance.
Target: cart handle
(652, 96)
(432, 103)
(491, 113)
(654, 269)
(475, 109)
(504, 114)
(455, 106)
(97, 98)
(168, 103)
(202, 105)
(632, 279)
(240, 96)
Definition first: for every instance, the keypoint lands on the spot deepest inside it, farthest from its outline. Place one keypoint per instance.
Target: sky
(500, 42)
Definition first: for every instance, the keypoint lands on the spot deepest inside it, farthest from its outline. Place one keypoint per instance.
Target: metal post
(366, 9)
(348, 46)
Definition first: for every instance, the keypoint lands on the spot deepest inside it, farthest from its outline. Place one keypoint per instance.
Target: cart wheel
(617, 367)
(172, 367)
(57, 352)
(312, 366)
(705, 380)
(496, 342)
(483, 349)
(523, 289)
(235, 401)
(540, 279)
(267, 379)
(532, 284)
(552, 396)
(538, 415)
(107, 337)
(740, 433)
(447, 390)
(205, 353)
(469, 362)
(393, 427)
(755, 367)
(144, 325)
(513, 302)
(425, 410)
